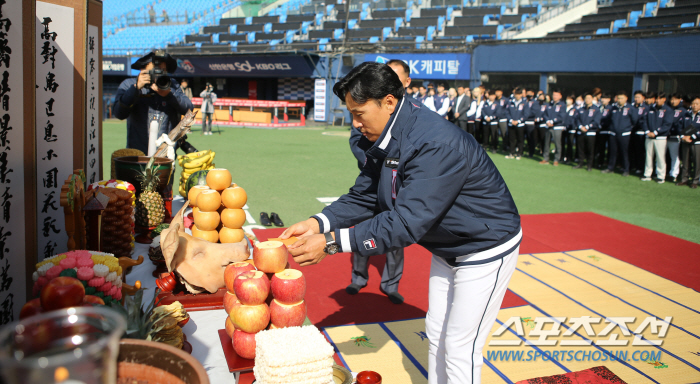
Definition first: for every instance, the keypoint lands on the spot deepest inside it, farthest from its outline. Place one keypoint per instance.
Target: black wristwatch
(331, 246)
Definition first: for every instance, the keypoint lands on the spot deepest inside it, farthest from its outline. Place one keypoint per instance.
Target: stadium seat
(602, 31)
(687, 25)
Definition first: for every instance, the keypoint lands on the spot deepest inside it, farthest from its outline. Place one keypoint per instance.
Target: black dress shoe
(606, 171)
(265, 220)
(577, 166)
(589, 168)
(625, 174)
(353, 289)
(276, 219)
(682, 183)
(394, 297)
(693, 186)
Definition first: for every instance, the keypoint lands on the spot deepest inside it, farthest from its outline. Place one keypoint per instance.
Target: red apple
(251, 288)
(251, 318)
(229, 300)
(231, 311)
(62, 292)
(233, 270)
(229, 327)
(270, 256)
(244, 344)
(283, 315)
(90, 300)
(31, 308)
(288, 286)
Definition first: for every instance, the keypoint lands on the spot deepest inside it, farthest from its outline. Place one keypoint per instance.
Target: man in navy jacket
(555, 119)
(516, 113)
(587, 124)
(674, 136)
(621, 119)
(690, 144)
(427, 182)
(656, 124)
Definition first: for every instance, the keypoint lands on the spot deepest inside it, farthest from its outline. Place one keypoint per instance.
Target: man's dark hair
(605, 96)
(406, 68)
(651, 95)
(677, 95)
(422, 86)
(638, 92)
(661, 95)
(518, 90)
(623, 93)
(369, 80)
(556, 90)
(587, 94)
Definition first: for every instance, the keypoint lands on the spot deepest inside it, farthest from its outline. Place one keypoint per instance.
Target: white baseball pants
(463, 304)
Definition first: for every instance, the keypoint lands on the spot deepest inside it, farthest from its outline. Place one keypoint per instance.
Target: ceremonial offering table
(201, 330)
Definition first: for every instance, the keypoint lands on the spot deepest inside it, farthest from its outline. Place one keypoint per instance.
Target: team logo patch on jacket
(369, 244)
(591, 113)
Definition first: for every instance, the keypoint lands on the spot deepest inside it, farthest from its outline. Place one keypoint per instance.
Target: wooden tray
(192, 302)
(235, 362)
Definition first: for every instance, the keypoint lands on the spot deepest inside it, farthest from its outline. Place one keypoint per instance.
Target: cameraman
(151, 103)
(208, 98)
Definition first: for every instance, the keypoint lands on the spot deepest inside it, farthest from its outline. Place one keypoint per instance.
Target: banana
(197, 163)
(196, 155)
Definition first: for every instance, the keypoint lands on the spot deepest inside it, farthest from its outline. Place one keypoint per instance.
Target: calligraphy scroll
(92, 107)
(12, 263)
(54, 120)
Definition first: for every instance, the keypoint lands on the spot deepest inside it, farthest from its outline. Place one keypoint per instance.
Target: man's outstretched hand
(308, 250)
(301, 229)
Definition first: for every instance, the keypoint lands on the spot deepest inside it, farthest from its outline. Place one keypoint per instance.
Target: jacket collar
(392, 129)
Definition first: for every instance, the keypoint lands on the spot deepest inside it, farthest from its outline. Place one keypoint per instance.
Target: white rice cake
(293, 355)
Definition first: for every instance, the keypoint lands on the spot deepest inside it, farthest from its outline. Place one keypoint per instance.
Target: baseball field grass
(287, 170)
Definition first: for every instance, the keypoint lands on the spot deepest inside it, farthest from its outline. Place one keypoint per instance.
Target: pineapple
(150, 210)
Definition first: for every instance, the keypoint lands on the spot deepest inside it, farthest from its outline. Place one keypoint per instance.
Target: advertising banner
(244, 66)
(119, 66)
(320, 100)
(426, 66)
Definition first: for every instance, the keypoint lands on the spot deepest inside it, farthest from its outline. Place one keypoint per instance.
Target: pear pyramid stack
(218, 208)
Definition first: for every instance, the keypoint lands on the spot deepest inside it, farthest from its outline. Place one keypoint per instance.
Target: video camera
(159, 77)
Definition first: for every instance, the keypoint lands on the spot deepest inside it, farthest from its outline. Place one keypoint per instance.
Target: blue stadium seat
(419, 41)
(602, 31)
(617, 24)
(373, 40)
(649, 9)
(634, 17)
(687, 25)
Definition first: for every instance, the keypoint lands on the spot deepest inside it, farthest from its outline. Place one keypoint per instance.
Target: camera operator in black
(151, 103)
(208, 98)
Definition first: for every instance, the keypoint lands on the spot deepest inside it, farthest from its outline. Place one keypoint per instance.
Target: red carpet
(328, 304)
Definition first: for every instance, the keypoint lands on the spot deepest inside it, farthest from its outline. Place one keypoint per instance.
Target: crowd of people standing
(651, 135)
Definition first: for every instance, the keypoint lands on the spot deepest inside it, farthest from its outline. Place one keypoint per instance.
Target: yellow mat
(562, 288)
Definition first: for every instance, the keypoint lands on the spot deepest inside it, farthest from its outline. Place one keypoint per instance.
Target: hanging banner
(320, 100)
(424, 66)
(92, 108)
(12, 256)
(54, 121)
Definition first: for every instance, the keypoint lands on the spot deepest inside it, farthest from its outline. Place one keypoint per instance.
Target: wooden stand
(72, 201)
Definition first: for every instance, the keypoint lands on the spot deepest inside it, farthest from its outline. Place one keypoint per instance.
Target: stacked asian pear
(296, 355)
(218, 208)
(255, 301)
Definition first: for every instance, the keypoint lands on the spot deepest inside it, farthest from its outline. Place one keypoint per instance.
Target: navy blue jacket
(622, 119)
(589, 118)
(432, 184)
(678, 121)
(139, 107)
(518, 112)
(570, 121)
(493, 111)
(658, 119)
(605, 118)
(556, 114)
(534, 108)
(642, 110)
(692, 126)
(502, 103)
